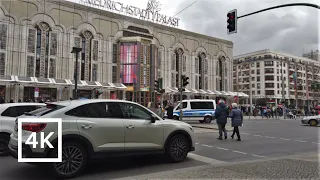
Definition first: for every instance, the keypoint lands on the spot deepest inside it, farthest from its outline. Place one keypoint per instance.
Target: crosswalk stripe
(204, 159)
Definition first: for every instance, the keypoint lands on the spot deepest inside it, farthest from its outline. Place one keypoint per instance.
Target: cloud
(289, 29)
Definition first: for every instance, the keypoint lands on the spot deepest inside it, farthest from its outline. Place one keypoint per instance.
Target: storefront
(45, 94)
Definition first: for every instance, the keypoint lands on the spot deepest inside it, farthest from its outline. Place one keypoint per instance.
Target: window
(258, 85)
(258, 78)
(184, 63)
(252, 78)
(269, 92)
(252, 71)
(2, 63)
(252, 64)
(115, 52)
(258, 64)
(114, 74)
(269, 78)
(258, 92)
(258, 71)
(184, 105)
(201, 105)
(277, 78)
(15, 111)
(269, 85)
(269, 70)
(3, 47)
(134, 111)
(268, 63)
(277, 71)
(97, 110)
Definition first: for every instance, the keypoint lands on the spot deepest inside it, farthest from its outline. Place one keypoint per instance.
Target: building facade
(270, 77)
(121, 56)
(315, 55)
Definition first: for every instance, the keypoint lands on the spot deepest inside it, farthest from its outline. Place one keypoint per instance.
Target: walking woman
(236, 120)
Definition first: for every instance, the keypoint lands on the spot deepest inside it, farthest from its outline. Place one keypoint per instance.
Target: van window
(201, 105)
(184, 105)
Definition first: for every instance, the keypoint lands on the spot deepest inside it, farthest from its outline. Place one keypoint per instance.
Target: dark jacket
(169, 112)
(236, 117)
(222, 113)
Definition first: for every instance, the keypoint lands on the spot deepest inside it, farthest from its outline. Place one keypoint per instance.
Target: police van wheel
(207, 119)
(176, 117)
(201, 121)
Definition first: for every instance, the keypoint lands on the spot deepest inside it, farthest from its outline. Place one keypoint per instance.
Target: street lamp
(76, 50)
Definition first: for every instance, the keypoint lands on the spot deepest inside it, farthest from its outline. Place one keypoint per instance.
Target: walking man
(221, 115)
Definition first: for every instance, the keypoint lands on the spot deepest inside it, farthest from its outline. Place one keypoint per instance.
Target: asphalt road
(261, 140)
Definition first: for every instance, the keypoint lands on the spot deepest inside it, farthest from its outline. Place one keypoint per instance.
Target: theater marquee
(151, 13)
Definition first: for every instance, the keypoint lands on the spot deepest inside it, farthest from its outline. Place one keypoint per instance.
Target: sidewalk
(264, 118)
(284, 168)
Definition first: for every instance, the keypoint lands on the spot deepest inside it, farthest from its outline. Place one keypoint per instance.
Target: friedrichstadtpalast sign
(151, 13)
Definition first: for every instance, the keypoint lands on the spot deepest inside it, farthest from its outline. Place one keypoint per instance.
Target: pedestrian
(236, 120)
(221, 115)
(169, 110)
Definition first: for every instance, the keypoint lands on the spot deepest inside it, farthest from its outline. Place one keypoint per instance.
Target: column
(88, 36)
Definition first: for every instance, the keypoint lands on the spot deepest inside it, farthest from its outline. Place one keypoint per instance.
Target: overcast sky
(292, 30)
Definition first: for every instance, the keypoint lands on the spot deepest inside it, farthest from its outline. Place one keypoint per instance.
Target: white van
(196, 109)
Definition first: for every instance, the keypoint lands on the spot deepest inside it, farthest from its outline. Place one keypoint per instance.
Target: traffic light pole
(280, 6)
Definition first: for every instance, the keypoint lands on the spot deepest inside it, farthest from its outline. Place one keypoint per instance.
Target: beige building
(121, 56)
(264, 72)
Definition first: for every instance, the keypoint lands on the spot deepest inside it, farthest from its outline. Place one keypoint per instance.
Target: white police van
(196, 109)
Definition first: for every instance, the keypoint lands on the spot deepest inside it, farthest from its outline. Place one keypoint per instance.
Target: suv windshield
(44, 110)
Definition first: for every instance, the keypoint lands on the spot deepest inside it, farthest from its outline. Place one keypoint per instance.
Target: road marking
(258, 156)
(196, 143)
(315, 143)
(257, 135)
(206, 145)
(300, 141)
(204, 159)
(222, 148)
(285, 139)
(270, 137)
(240, 152)
(246, 133)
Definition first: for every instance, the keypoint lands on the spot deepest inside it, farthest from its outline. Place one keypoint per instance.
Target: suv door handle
(130, 127)
(86, 126)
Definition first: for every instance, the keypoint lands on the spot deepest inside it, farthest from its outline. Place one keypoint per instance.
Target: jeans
(236, 130)
(222, 127)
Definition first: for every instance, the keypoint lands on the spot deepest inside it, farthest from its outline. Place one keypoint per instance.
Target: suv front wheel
(74, 160)
(177, 149)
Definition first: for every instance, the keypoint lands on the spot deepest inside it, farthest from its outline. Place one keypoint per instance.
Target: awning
(195, 91)
(106, 85)
(225, 93)
(210, 92)
(24, 79)
(186, 90)
(61, 82)
(217, 92)
(241, 94)
(171, 89)
(40, 80)
(232, 93)
(203, 91)
(92, 83)
(119, 85)
(80, 83)
(7, 78)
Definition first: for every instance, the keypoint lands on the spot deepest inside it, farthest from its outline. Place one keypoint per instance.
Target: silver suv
(107, 127)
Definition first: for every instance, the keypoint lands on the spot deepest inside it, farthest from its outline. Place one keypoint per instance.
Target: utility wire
(186, 8)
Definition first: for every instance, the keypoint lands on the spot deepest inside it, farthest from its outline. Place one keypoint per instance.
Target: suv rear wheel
(178, 148)
(74, 160)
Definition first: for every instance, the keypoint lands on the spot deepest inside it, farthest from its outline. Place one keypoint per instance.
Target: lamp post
(76, 50)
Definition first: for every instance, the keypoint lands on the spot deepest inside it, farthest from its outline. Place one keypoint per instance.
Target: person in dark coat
(221, 115)
(169, 110)
(236, 120)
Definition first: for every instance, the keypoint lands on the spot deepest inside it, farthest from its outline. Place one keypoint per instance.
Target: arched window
(221, 73)
(176, 62)
(88, 60)
(41, 51)
(3, 47)
(201, 71)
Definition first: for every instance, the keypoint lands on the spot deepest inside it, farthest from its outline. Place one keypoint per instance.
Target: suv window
(133, 111)
(16, 111)
(184, 105)
(97, 110)
(44, 110)
(201, 105)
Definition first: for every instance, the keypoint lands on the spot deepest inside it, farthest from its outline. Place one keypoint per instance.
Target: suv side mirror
(153, 119)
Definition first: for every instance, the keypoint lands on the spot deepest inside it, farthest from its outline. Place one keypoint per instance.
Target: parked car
(8, 114)
(311, 120)
(104, 127)
(196, 109)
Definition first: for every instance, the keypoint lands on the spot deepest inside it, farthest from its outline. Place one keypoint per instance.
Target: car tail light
(34, 127)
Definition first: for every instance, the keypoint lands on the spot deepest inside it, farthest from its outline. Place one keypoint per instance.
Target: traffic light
(97, 94)
(158, 85)
(185, 81)
(232, 21)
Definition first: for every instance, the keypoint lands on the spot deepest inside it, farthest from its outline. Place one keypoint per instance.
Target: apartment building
(269, 77)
